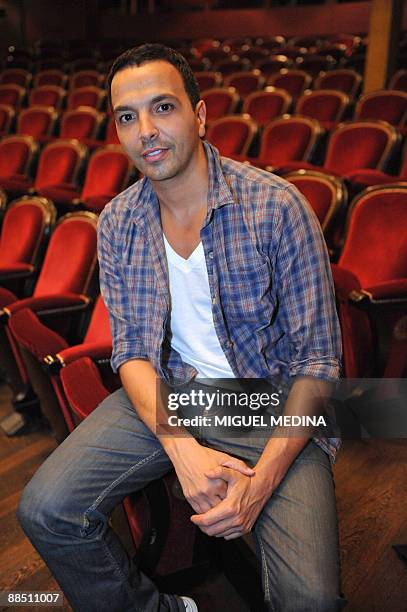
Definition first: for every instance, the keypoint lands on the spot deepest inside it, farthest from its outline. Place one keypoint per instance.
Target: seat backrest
(245, 82)
(85, 78)
(86, 96)
(220, 101)
(313, 64)
(37, 121)
(375, 248)
(99, 326)
(399, 80)
(208, 78)
(47, 95)
(50, 77)
(70, 259)
(59, 163)
(360, 144)
(228, 66)
(264, 106)
(387, 105)
(323, 104)
(16, 154)
(326, 193)
(232, 135)
(293, 81)
(17, 76)
(107, 174)
(80, 123)
(111, 132)
(273, 65)
(25, 223)
(12, 94)
(289, 139)
(343, 79)
(7, 115)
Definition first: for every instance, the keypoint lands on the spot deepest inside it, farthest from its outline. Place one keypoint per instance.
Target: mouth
(156, 154)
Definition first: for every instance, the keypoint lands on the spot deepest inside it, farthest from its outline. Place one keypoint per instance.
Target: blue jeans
(65, 511)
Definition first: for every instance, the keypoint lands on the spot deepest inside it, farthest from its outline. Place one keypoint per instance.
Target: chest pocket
(246, 295)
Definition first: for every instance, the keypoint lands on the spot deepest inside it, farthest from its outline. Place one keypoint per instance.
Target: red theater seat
(293, 81)
(264, 106)
(16, 159)
(220, 101)
(25, 226)
(85, 78)
(38, 122)
(245, 82)
(16, 76)
(399, 80)
(12, 95)
(50, 77)
(83, 123)
(273, 64)
(111, 132)
(387, 105)
(47, 95)
(208, 78)
(343, 79)
(232, 135)
(328, 106)
(87, 96)
(7, 115)
(371, 283)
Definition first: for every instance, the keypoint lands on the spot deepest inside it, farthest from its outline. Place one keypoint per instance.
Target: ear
(200, 111)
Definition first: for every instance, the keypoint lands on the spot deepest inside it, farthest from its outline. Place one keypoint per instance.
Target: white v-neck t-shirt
(193, 331)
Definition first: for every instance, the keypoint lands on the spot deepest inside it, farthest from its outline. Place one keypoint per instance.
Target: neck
(186, 193)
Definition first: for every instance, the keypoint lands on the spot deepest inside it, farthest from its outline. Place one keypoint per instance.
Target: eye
(165, 107)
(125, 118)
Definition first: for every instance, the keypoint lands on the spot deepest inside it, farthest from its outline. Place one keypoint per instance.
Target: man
(259, 305)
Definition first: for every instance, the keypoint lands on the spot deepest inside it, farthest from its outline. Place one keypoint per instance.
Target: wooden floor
(371, 485)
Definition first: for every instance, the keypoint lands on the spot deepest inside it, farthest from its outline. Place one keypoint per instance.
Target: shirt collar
(219, 190)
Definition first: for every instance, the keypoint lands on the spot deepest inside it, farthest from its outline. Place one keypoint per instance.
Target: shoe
(190, 605)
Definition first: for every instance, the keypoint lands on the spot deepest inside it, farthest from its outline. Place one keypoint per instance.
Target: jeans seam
(265, 571)
(119, 569)
(112, 485)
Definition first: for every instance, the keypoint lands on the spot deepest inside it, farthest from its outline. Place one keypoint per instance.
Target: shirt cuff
(134, 350)
(326, 368)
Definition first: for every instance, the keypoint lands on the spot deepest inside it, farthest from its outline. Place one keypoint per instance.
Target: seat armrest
(389, 292)
(16, 271)
(57, 303)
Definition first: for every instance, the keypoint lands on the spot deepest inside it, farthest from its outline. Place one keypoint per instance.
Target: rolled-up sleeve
(127, 343)
(305, 291)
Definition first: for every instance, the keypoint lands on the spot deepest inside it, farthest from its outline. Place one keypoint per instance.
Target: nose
(147, 128)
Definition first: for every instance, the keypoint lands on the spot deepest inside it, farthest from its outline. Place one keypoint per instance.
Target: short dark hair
(151, 52)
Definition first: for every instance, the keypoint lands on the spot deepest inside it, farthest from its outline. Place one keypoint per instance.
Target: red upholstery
(24, 224)
(50, 77)
(58, 169)
(326, 194)
(6, 118)
(34, 336)
(232, 135)
(245, 82)
(374, 254)
(16, 76)
(47, 95)
(220, 101)
(229, 66)
(37, 121)
(293, 81)
(359, 145)
(287, 139)
(83, 398)
(376, 177)
(313, 64)
(12, 95)
(6, 297)
(387, 105)
(264, 106)
(85, 78)
(16, 155)
(344, 79)
(107, 175)
(326, 105)
(399, 80)
(81, 123)
(86, 96)
(253, 54)
(207, 79)
(111, 132)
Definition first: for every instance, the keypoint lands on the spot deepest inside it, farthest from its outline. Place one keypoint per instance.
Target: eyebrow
(154, 100)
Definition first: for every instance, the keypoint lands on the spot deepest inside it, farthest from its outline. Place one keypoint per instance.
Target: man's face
(155, 121)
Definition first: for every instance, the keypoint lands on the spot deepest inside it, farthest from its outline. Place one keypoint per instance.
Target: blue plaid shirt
(273, 302)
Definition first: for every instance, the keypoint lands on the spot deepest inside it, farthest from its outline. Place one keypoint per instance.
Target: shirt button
(210, 254)
(214, 301)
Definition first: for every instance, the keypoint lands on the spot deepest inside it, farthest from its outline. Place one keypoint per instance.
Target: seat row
(44, 123)
(53, 95)
(59, 172)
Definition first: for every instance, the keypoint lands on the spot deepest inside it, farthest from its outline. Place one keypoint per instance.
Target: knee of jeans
(322, 599)
(42, 508)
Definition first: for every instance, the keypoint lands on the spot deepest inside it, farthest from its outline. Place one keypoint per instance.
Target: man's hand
(195, 466)
(238, 511)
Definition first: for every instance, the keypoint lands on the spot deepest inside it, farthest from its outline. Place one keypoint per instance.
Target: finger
(224, 473)
(233, 536)
(239, 466)
(218, 513)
